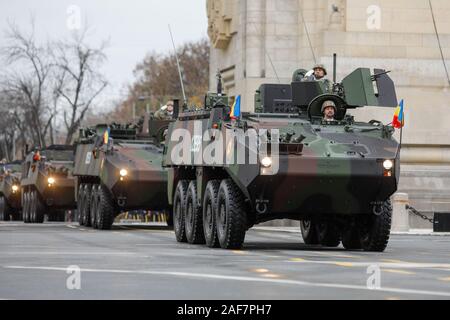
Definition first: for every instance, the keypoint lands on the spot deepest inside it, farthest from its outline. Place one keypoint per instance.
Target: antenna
(334, 67)
(307, 35)
(268, 56)
(219, 83)
(179, 68)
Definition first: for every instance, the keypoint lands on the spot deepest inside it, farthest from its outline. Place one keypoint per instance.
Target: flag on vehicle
(236, 108)
(399, 116)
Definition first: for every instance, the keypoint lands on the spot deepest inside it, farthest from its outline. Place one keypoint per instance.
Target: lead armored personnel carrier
(336, 177)
(10, 193)
(48, 184)
(118, 168)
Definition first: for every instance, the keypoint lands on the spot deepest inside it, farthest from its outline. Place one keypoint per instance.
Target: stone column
(255, 36)
(400, 218)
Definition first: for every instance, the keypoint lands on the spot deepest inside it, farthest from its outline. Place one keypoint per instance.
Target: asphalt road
(147, 263)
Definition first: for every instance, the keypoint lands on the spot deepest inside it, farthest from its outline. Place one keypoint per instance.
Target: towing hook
(261, 208)
(121, 202)
(377, 210)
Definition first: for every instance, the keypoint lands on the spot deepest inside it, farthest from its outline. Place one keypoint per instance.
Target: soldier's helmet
(320, 66)
(328, 104)
(299, 75)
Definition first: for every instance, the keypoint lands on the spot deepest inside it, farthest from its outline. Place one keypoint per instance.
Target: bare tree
(78, 82)
(28, 86)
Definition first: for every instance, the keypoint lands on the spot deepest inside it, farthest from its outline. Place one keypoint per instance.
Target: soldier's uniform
(163, 114)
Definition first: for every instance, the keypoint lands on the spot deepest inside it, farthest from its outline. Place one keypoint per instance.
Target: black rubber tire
(94, 202)
(350, 235)
(179, 205)
(209, 213)
(193, 217)
(87, 205)
(377, 230)
(106, 212)
(25, 212)
(80, 204)
(40, 208)
(231, 216)
(328, 234)
(32, 207)
(309, 232)
(5, 210)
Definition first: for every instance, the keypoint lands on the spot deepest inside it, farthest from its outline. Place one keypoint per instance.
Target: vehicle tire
(32, 207)
(26, 218)
(4, 212)
(179, 205)
(193, 218)
(376, 229)
(231, 216)
(94, 207)
(105, 209)
(328, 234)
(40, 208)
(87, 205)
(350, 236)
(209, 213)
(309, 232)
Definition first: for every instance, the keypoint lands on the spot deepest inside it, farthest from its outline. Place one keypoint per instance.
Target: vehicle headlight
(123, 173)
(266, 162)
(51, 181)
(388, 164)
(15, 188)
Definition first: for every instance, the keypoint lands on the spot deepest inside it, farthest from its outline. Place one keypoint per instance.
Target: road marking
(239, 252)
(243, 278)
(344, 264)
(71, 227)
(398, 271)
(392, 261)
(260, 270)
(271, 276)
(445, 279)
(298, 260)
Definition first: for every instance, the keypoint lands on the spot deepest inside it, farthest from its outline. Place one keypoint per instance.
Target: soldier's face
(319, 73)
(170, 108)
(329, 112)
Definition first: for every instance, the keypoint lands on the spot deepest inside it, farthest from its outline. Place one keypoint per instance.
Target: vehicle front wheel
(179, 201)
(328, 234)
(231, 216)
(105, 213)
(309, 232)
(376, 228)
(194, 220)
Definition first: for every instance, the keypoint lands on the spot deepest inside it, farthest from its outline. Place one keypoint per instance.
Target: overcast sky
(134, 27)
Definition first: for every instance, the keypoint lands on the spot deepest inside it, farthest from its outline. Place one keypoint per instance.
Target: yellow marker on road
(344, 264)
(297, 260)
(398, 271)
(445, 279)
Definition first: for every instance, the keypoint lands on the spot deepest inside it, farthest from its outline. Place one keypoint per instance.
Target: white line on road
(248, 279)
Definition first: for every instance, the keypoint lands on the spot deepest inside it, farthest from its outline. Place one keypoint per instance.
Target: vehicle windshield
(53, 155)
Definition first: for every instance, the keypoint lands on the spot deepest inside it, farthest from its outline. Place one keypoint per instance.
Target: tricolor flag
(236, 108)
(106, 136)
(399, 116)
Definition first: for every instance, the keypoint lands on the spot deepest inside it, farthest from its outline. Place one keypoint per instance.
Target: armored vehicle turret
(48, 184)
(299, 156)
(118, 168)
(10, 193)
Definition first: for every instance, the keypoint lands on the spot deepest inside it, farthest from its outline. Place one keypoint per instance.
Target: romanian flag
(106, 136)
(236, 109)
(399, 116)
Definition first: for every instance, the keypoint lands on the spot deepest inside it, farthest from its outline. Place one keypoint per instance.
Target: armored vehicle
(48, 184)
(10, 206)
(336, 176)
(118, 168)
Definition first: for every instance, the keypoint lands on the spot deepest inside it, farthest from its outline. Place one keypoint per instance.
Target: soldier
(166, 112)
(329, 110)
(319, 73)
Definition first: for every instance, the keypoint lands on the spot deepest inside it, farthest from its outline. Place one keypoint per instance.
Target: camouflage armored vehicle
(10, 206)
(118, 168)
(336, 176)
(48, 184)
